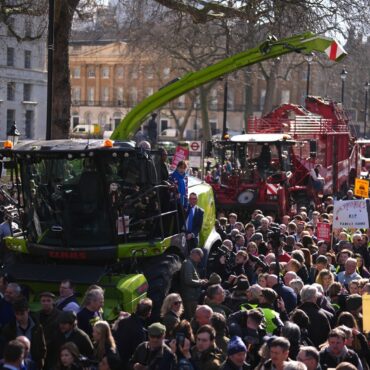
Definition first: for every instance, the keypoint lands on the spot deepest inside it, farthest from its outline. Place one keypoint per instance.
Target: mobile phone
(180, 339)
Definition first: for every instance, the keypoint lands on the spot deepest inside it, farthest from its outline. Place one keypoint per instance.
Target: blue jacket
(182, 186)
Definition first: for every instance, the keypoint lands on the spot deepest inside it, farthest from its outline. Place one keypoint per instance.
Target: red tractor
(260, 171)
(322, 132)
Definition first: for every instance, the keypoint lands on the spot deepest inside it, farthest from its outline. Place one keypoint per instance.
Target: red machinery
(297, 138)
(257, 173)
(322, 134)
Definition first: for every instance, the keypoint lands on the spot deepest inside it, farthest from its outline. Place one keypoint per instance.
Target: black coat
(130, 333)
(228, 365)
(319, 328)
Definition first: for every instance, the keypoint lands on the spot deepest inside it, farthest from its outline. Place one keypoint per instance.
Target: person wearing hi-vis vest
(266, 303)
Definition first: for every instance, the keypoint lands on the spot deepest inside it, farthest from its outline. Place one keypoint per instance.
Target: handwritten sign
(181, 154)
(350, 214)
(323, 231)
(361, 188)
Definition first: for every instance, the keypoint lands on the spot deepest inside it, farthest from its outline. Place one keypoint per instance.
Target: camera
(275, 237)
(180, 339)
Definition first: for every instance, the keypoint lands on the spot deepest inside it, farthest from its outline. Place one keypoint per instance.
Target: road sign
(361, 188)
(196, 146)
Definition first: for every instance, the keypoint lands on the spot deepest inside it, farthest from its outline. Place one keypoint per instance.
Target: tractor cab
(255, 171)
(82, 197)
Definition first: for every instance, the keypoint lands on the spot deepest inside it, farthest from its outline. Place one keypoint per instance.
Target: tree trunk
(203, 97)
(271, 88)
(61, 111)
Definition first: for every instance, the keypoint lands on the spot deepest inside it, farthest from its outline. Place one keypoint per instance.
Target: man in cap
(153, 354)
(68, 332)
(204, 355)
(236, 355)
(48, 316)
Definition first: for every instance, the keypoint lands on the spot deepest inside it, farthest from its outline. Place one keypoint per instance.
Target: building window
(76, 95)
(120, 96)
(166, 72)
(75, 121)
(27, 59)
(91, 72)
(181, 101)
(149, 91)
(28, 124)
(105, 94)
(230, 99)
(120, 72)
(133, 95)
(27, 28)
(285, 96)
(134, 73)
(149, 73)
(76, 72)
(10, 91)
(262, 99)
(10, 57)
(27, 92)
(105, 72)
(11, 24)
(10, 118)
(213, 100)
(88, 118)
(90, 95)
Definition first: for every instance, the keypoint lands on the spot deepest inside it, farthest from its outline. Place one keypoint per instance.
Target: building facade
(23, 80)
(107, 80)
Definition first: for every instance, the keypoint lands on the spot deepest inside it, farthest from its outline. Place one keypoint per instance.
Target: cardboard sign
(366, 312)
(361, 188)
(323, 231)
(181, 154)
(350, 214)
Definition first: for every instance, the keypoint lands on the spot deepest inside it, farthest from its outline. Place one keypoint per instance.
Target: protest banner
(366, 312)
(350, 214)
(181, 154)
(323, 232)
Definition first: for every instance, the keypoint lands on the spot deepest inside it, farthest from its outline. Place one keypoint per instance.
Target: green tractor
(98, 212)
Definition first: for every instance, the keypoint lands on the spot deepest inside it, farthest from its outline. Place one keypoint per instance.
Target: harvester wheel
(246, 197)
(159, 272)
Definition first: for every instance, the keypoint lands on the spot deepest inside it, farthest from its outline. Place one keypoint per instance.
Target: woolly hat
(235, 345)
(353, 302)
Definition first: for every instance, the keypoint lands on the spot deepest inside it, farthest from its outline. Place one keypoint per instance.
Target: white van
(93, 129)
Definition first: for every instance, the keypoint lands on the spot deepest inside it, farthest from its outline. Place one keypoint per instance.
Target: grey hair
(308, 293)
(296, 285)
(295, 365)
(93, 295)
(16, 287)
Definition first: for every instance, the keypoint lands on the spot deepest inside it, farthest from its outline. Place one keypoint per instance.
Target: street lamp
(343, 76)
(309, 58)
(367, 86)
(13, 134)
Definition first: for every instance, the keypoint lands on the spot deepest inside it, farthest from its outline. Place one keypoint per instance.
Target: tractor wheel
(247, 197)
(160, 273)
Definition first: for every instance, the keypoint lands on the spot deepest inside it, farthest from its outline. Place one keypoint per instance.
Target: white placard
(350, 214)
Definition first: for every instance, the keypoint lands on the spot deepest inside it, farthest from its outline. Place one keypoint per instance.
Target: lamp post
(309, 58)
(343, 76)
(226, 88)
(367, 86)
(13, 134)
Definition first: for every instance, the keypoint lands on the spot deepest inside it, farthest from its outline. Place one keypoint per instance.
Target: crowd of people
(273, 296)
